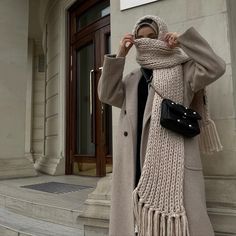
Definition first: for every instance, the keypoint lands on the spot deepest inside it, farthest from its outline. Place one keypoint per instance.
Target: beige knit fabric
(209, 141)
(158, 198)
(162, 27)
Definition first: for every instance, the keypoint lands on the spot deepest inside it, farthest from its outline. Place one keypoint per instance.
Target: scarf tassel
(209, 141)
(151, 222)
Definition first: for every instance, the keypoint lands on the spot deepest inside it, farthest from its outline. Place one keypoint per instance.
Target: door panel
(94, 13)
(89, 122)
(106, 109)
(85, 143)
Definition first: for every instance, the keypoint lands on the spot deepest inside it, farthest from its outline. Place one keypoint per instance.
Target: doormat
(56, 187)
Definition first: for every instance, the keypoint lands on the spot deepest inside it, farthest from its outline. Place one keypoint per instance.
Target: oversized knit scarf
(158, 198)
(159, 209)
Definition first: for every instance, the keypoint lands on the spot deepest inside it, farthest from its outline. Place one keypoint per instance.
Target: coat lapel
(131, 107)
(146, 125)
(148, 107)
(132, 99)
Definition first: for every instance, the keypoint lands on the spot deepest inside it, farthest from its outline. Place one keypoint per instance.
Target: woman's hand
(125, 44)
(172, 39)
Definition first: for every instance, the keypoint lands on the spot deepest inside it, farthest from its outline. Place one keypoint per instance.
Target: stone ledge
(223, 234)
(12, 224)
(96, 213)
(223, 220)
(40, 211)
(221, 189)
(16, 168)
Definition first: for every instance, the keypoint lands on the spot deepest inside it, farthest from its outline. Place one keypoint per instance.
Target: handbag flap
(181, 110)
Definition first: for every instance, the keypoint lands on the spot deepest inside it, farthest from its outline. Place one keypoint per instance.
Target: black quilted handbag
(178, 118)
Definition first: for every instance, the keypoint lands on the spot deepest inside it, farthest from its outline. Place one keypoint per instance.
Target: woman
(157, 184)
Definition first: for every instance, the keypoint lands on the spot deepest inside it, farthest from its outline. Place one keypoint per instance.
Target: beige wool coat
(114, 89)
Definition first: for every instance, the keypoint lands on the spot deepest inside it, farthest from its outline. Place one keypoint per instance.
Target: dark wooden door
(89, 122)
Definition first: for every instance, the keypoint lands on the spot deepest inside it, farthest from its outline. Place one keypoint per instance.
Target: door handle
(103, 118)
(91, 103)
(103, 123)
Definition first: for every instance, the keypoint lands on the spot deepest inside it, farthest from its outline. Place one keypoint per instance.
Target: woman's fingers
(171, 35)
(128, 37)
(172, 39)
(167, 36)
(128, 45)
(125, 44)
(127, 41)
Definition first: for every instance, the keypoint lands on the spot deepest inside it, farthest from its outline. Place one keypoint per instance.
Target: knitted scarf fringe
(151, 222)
(209, 141)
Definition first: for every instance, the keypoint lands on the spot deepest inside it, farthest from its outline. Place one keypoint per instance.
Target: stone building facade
(33, 66)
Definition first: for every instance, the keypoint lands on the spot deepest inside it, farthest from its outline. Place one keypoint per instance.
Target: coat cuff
(114, 63)
(187, 35)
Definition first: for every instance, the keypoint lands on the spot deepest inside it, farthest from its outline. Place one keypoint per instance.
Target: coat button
(125, 133)
(125, 112)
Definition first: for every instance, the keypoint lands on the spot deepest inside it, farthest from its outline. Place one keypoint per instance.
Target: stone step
(12, 224)
(61, 209)
(222, 218)
(40, 210)
(224, 234)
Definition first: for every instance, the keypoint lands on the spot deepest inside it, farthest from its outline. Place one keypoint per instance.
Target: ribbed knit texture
(209, 141)
(158, 198)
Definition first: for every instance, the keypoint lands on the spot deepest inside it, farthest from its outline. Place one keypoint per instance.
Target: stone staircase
(12, 224)
(27, 212)
(35, 213)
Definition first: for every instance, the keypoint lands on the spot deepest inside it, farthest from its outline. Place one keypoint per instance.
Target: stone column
(13, 89)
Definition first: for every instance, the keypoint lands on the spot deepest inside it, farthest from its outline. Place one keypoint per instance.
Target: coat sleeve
(111, 86)
(205, 66)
